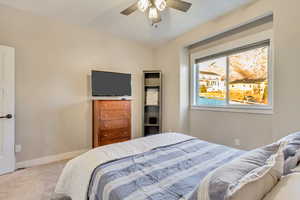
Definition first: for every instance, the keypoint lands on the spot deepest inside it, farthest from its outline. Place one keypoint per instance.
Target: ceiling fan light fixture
(160, 4)
(143, 5)
(152, 8)
(153, 13)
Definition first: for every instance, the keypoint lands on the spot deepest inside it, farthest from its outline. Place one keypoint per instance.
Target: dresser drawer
(114, 114)
(114, 124)
(111, 121)
(114, 105)
(114, 134)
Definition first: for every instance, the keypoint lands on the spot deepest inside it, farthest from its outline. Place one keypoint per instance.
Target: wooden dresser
(111, 121)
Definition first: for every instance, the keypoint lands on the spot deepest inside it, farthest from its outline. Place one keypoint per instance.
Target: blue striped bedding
(164, 173)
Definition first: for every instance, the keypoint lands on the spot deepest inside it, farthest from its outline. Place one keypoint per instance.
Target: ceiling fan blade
(130, 9)
(179, 5)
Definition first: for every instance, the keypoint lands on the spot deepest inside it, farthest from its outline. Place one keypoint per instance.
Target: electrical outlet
(237, 142)
(18, 148)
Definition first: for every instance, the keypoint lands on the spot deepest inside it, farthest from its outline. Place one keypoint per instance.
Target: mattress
(171, 172)
(143, 168)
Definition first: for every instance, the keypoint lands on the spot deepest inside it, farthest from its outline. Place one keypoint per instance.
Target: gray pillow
(291, 151)
(225, 182)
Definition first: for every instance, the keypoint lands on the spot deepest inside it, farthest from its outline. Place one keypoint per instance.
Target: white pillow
(286, 189)
(256, 189)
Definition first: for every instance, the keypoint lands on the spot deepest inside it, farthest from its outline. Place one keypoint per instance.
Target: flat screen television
(111, 84)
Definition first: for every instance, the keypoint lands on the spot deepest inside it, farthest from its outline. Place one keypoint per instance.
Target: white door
(7, 109)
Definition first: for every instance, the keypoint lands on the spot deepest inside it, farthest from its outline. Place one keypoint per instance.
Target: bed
(165, 166)
(175, 166)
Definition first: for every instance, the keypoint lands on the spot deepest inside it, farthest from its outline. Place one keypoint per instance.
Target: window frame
(225, 48)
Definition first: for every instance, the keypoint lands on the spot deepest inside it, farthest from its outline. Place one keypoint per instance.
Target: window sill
(235, 109)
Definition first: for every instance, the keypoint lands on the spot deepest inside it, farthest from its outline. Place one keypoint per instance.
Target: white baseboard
(49, 159)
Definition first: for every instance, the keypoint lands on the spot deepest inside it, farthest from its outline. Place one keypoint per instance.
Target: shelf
(151, 134)
(156, 125)
(152, 105)
(152, 85)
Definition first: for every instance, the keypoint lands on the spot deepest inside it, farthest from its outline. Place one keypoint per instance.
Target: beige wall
(223, 127)
(53, 60)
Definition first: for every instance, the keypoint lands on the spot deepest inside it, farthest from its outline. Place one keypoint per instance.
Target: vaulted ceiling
(105, 16)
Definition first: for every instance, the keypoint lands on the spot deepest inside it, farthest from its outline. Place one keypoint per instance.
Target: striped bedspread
(164, 173)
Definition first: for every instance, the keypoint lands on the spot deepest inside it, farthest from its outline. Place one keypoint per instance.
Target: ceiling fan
(152, 8)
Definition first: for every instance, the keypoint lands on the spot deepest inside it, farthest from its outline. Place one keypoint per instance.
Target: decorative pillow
(291, 151)
(287, 188)
(249, 177)
(296, 169)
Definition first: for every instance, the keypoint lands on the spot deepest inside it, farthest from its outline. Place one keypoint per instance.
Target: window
(236, 78)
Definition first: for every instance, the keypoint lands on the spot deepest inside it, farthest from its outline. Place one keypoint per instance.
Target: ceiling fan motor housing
(152, 7)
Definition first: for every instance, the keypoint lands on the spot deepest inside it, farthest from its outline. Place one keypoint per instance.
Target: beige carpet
(35, 183)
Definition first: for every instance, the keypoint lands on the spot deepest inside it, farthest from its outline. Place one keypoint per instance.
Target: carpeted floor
(35, 183)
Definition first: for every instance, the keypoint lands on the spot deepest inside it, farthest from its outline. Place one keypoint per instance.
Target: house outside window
(239, 78)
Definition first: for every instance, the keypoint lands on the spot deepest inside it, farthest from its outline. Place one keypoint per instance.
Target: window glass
(234, 78)
(248, 77)
(212, 82)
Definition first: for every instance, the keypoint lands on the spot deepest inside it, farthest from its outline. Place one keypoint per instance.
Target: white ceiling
(105, 16)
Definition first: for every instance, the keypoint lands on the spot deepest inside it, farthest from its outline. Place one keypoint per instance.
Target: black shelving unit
(152, 102)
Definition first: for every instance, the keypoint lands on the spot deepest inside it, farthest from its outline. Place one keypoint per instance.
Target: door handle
(8, 116)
